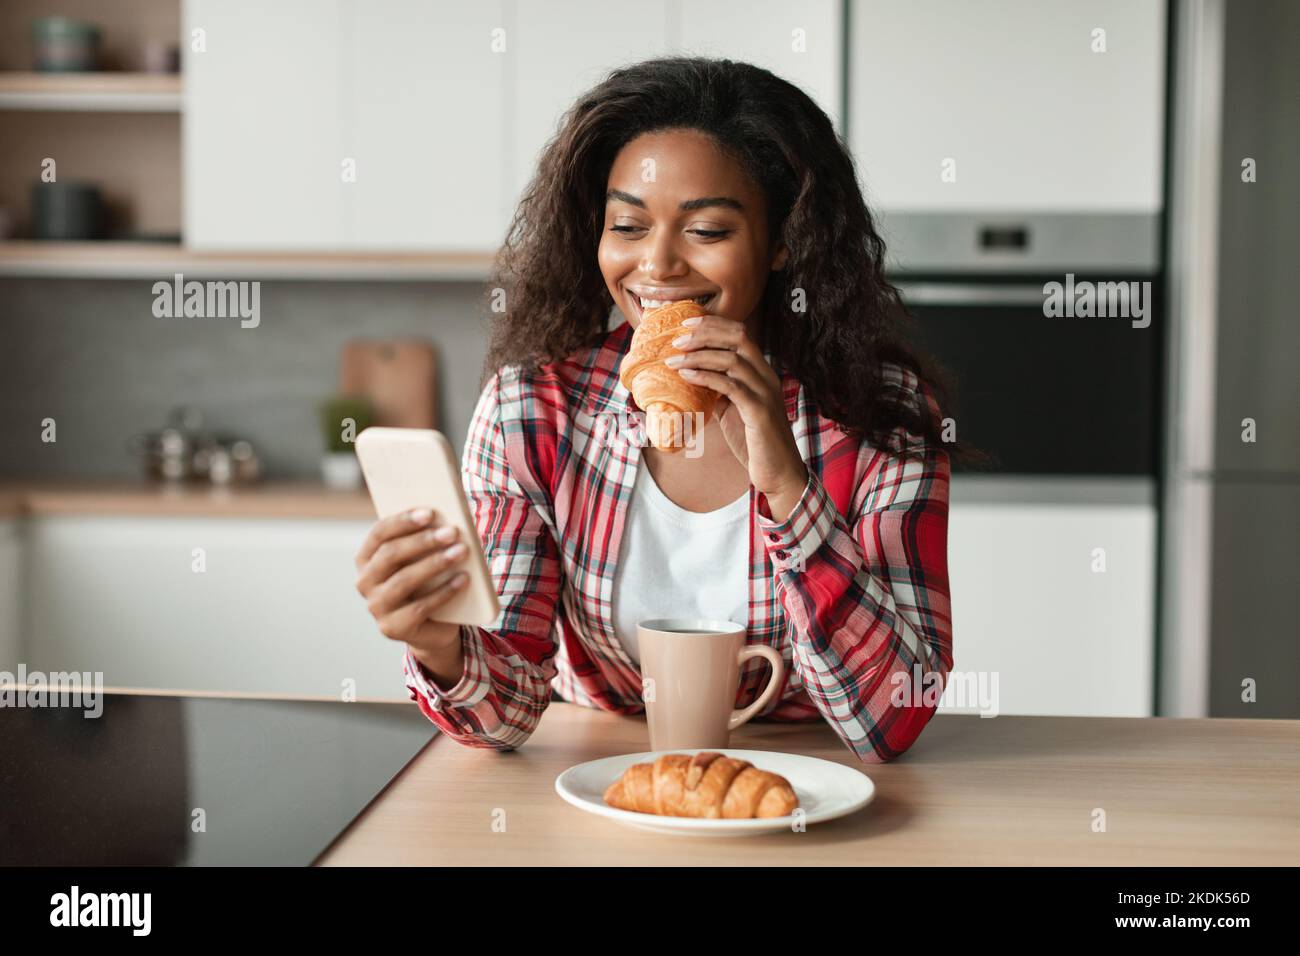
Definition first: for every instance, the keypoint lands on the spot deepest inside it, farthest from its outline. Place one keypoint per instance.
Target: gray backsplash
(91, 355)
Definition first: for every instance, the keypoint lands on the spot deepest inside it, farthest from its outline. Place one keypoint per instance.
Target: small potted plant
(343, 418)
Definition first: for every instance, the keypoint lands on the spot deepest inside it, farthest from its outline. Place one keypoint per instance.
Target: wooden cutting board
(398, 376)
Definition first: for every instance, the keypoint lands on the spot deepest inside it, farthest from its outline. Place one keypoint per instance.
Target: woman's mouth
(644, 304)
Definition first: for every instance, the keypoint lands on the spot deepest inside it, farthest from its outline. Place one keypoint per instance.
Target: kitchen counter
(973, 790)
(269, 499)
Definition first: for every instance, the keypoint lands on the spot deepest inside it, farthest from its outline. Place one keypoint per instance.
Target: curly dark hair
(854, 321)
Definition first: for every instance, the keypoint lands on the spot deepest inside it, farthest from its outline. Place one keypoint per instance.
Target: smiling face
(684, 221)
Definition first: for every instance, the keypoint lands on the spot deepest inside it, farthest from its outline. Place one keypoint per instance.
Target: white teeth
(657, 303)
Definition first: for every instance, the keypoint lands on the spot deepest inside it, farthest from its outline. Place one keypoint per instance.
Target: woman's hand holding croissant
(751, 410)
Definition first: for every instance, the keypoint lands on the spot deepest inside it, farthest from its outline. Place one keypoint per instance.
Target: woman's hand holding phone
(396, 563)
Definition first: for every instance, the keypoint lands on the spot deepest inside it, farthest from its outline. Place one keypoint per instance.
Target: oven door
(1043, 395)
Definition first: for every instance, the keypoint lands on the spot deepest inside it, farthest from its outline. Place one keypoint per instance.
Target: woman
(814, 505)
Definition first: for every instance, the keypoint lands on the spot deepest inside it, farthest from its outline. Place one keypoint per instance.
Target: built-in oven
(1053, 374)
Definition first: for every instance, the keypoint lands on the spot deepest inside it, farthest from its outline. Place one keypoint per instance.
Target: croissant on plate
(706, 784)
(666, 398)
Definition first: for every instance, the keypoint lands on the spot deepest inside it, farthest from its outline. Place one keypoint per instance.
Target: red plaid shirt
(852, 587)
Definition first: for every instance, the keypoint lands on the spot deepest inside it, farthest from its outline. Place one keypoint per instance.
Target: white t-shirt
(679, 563)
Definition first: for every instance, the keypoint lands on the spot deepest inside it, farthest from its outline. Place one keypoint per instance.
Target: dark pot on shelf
(66, 211)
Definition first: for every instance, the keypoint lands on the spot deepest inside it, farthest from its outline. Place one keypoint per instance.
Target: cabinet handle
(970, 293)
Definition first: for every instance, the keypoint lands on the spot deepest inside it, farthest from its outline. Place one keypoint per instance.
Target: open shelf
(86, 92)
(161, 260)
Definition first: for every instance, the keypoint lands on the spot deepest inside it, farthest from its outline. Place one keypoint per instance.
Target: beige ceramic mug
(690, 670)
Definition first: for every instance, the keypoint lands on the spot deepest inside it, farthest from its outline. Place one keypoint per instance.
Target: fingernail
(420, 515)
(459, 580)
(446, 534)
(688, 372)
(456, 551)
(675, 360)
(680, 341)
(693, 320)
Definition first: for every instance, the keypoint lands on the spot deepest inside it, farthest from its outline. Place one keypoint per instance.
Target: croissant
(665, 397)
(704, 785)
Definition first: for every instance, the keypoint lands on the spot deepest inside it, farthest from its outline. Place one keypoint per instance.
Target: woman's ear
(781, 256)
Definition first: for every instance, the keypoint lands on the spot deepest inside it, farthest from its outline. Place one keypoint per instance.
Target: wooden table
(984, 791)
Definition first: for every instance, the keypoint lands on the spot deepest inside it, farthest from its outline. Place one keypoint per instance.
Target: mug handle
(773, 656)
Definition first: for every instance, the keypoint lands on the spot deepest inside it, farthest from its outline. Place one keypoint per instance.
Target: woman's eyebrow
(690, 204)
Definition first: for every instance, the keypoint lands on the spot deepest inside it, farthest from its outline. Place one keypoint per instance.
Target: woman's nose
(663, 258)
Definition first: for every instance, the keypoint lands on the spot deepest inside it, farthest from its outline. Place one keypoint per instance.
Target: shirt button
(780, 554)
(773, 536)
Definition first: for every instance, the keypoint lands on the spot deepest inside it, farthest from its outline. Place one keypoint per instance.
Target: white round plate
(825, 790)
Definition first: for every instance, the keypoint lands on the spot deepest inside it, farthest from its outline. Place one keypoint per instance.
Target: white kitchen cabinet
(559, 58)
(1030, 605)
(440, 110)
(262, 131)
(1012, 92)
(559, 52)
(345, 125)
(275, 611)
(425, 121)
(798, 40)
(11, 577)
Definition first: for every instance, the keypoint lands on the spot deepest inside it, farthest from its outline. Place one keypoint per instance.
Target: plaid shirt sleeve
(867, 600)
(505, 685)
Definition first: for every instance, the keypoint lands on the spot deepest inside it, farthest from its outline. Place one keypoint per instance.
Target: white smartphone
(409, 468)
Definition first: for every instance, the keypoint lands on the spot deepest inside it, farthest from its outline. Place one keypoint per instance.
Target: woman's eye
(701, 233)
